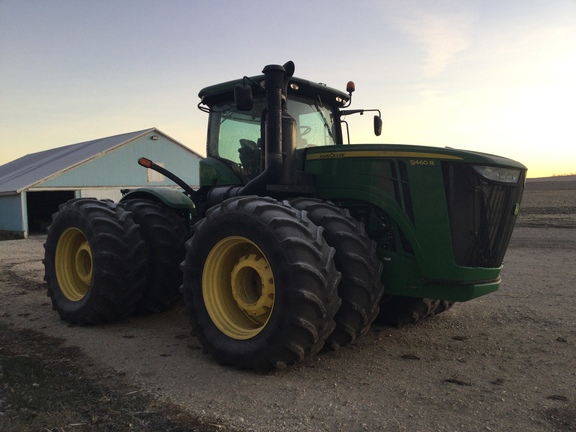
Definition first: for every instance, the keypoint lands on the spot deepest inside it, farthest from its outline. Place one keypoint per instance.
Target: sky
(496, 76)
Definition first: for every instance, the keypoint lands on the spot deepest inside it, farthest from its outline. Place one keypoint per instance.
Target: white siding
(12, 218)
(113, 194)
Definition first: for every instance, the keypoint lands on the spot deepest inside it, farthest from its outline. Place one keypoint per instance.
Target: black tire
(260, 284)
(94, 262)
(360, 288)
(400, 310)
(164, 234)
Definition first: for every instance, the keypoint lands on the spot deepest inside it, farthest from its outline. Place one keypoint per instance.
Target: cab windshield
(236, 136)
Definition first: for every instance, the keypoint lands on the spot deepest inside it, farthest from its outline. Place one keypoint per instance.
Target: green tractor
(294, 240)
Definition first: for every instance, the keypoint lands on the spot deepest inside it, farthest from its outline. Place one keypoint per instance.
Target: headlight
(498, 174)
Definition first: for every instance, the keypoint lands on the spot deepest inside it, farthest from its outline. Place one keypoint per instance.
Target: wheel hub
(73, 263)
(238, 287)
(253, 287)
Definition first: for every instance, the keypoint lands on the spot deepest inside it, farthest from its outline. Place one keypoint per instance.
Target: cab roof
(297, 86)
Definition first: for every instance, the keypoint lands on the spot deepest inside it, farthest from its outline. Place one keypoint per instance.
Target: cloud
(442, 29)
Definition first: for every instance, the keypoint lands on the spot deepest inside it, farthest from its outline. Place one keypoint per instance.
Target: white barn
(33, 186)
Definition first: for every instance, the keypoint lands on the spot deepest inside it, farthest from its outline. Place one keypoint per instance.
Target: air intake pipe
(280, 142)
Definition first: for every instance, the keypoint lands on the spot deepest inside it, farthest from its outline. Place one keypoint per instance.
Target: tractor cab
(237, 136)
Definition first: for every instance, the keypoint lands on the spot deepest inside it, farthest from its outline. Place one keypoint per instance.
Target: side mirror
(243, 97)
(377, 125)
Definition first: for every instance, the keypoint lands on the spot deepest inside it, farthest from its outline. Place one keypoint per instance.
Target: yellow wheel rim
(238, 288)
(73, 263)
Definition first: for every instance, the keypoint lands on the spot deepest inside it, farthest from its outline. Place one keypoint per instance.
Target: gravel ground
(503, 362)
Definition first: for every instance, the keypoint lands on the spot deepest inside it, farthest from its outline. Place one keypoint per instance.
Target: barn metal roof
(34, 168)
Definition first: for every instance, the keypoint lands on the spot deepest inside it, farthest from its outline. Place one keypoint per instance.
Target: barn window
(154, 176)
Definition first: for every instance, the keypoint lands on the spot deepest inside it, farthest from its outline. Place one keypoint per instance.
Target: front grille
(482, 215)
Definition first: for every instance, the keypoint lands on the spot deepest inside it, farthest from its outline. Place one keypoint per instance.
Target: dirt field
(504, 362)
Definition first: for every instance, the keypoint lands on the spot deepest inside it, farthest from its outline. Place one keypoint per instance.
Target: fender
(170, 197)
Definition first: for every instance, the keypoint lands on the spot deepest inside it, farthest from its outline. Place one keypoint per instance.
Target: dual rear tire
(94, 262)
(104, 261)
(164, 234)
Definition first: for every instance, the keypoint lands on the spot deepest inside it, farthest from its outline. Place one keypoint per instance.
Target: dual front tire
(268, 283)
(401, 310)
(260, 284)
(355, 257)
